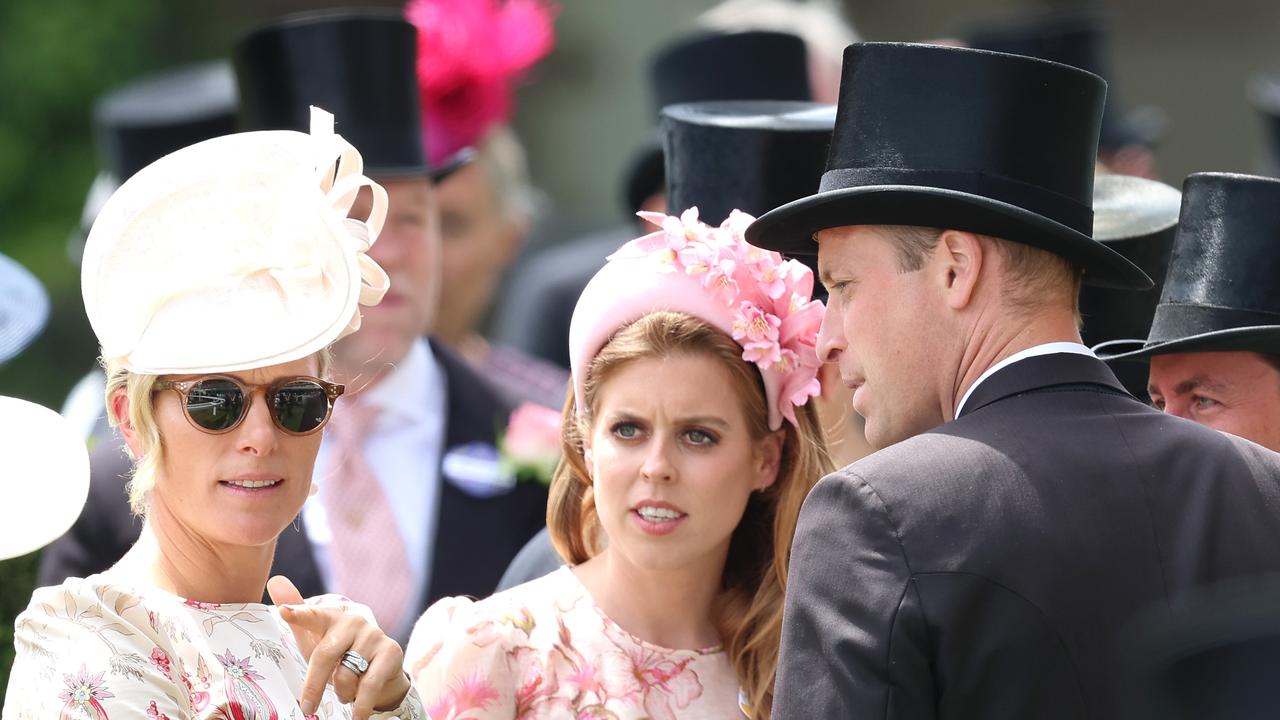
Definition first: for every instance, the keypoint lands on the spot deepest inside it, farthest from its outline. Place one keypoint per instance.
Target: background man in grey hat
(1024, 507)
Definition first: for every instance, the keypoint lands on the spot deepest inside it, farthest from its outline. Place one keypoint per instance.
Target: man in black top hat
(1214, 344)
(755, 65)
(1079, 40)
(461, 517)
(1024, 506)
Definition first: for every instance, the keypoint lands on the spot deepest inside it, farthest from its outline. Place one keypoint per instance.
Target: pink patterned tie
(370, 564)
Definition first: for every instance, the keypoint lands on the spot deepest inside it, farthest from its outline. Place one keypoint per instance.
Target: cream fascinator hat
(234, 253)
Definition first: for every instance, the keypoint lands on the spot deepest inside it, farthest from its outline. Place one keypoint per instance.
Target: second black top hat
(1220, 291)
(964, 139)
(358, 65)
(746, 155)
(754, 65)
(1078, 40)
(150, 117)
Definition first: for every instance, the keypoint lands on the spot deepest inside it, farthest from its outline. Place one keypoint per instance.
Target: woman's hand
(324, 634)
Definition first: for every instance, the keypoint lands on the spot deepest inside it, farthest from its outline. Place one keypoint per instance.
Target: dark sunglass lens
(215, 404)
(301, 406)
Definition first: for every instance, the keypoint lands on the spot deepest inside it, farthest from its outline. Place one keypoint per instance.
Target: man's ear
(769, 459)
(958, 260)
(119, 409)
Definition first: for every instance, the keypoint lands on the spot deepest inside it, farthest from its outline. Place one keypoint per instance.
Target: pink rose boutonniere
(530, 447)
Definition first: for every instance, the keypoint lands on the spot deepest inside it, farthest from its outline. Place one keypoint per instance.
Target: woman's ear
(118, 406)
(769, 458)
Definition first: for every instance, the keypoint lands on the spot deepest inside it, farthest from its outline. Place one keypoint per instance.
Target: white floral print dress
(546, 650)
(91, 649)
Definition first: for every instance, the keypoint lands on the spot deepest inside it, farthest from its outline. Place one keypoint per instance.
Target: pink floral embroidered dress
(90, 649)
(546, 650)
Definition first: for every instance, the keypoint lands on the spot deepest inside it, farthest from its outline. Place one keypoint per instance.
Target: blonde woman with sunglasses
(216, 279)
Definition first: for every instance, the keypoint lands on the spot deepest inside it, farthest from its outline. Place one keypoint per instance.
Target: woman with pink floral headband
(689, 445)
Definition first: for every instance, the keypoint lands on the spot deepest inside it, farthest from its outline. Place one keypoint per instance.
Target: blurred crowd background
(580, 116)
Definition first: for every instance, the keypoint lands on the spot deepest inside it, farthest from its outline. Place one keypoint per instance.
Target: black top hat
(750, 155)
(755, 65)
(1220, 291)
(1077, 40)
(964, 139)
(358, 65)
(148, 118)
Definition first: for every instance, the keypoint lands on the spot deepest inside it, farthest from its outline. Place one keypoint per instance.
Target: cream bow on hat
(234, 253)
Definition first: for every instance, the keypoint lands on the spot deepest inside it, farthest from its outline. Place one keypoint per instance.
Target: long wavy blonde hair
(748, 610)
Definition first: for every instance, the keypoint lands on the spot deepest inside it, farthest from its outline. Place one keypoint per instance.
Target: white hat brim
(43, 486)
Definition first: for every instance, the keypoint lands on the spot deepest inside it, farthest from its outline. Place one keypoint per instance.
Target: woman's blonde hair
(748, 610)
(139, 389)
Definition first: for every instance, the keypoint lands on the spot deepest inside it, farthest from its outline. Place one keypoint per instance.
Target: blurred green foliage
(56, 58)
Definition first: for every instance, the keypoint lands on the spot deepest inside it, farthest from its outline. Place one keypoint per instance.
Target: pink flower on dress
(198, 694)
(83, 695)
(154, 713)
(465, 694)
(665, 682)
(246, 700)
(203, 605)
(160, 659)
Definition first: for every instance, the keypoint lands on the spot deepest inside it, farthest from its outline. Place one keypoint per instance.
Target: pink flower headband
(753, 295)
(470, 52)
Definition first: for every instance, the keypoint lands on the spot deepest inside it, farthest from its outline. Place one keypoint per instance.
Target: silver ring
(355, 662)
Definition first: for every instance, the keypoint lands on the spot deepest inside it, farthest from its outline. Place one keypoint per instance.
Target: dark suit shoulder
(475, 410)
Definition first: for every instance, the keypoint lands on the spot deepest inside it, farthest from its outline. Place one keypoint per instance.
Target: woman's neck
(175, 559)
(670, 608)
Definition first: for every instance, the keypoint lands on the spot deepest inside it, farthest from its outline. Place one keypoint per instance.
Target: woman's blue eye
(700, 437)
(626, 431)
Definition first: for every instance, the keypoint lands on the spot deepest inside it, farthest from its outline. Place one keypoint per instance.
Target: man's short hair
(1031, 274)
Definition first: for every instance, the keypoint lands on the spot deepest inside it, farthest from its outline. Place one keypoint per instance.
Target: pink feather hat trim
(753, 295)
(470, 54)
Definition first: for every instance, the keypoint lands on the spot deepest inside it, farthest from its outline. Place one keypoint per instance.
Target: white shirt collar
(406, 391)
(1073, 348)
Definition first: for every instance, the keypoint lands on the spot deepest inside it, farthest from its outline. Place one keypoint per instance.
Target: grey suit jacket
(987, 568)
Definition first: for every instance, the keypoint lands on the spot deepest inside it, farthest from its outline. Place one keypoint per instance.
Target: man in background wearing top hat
(420, 433)
(1024, 507)
(758, 65)
(1080, 40)
(1214, 343)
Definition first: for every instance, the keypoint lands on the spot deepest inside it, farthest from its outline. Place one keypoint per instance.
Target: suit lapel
(472, 414)
(1039, 372)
